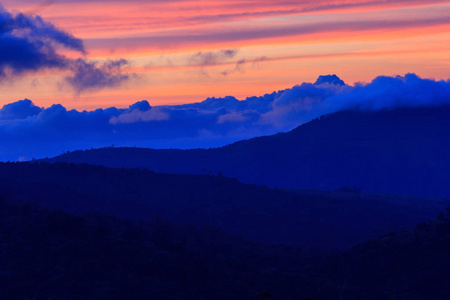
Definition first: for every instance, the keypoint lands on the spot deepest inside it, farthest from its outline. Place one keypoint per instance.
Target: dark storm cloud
(27, 130)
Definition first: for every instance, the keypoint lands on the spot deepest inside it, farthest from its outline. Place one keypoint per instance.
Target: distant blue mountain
(398, 151)
(331, 220)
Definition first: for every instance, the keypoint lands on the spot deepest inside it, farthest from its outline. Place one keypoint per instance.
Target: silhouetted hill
(47, 254)
(412, 265)
(400, 151)
(303, 218)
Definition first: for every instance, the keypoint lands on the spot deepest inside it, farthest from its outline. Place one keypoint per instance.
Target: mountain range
(326, 220)
(50, 254)
(391, 151)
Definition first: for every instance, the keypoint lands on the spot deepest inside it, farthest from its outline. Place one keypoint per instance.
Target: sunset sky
(183, 51)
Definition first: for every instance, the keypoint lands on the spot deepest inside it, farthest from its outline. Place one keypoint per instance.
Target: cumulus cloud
(27, 130)
(140, 112)
(19, 110)
(232, 117)
(30, 44)
(389, 92)
(303, 102)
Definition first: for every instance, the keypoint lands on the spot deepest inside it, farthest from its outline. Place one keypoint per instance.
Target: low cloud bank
(27, 130)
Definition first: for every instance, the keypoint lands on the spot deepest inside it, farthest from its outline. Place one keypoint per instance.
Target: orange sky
(184, 51)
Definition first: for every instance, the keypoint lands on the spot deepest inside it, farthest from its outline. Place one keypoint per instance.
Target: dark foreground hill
(306, 218)
(48, 254)
(412, 265)
(400, 151)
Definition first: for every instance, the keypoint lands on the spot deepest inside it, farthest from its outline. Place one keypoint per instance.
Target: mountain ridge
(397, 151)
(51, 254)
(257, 213)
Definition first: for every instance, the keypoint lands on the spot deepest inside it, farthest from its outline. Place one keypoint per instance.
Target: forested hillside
(329, 220)
(51, 254)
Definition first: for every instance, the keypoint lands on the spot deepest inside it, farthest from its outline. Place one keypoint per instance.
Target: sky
(28, 131)
(197, 74)
(97, 54)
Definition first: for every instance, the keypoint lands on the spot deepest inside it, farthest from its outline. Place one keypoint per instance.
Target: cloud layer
(185, 50)
(29, 44)
(28, 131)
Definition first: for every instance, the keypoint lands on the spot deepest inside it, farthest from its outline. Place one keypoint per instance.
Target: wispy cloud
(93, 75)
(239, 66)
(212, 57)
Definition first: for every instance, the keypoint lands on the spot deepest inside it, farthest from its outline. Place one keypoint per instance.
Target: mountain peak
(330, 79)
(141, 105)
